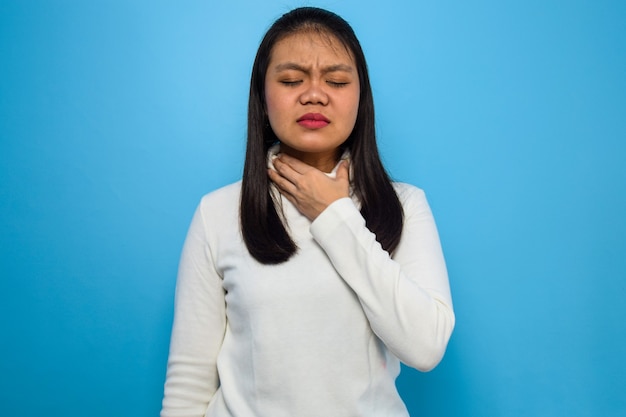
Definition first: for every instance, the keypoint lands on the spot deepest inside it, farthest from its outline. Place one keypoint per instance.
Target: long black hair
(263, 230)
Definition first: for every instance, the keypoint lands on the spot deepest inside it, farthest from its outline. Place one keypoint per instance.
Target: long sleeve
(198, 329)
(406, 298)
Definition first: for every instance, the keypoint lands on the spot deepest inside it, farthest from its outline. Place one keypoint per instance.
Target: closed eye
(291, 83)
(336, 84)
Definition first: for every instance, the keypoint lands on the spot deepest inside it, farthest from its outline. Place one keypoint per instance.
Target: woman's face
(311, 94)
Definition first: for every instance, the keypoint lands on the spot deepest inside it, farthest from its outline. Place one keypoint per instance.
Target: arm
(406, 298)
(198, 329)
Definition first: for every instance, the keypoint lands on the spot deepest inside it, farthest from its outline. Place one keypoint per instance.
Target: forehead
(309, 47)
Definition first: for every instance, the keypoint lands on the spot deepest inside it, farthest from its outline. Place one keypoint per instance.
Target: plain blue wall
(116, 116)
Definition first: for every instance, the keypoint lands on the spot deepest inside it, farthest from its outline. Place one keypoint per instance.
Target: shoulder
(220, 205)
(408, 192)
(217, 214)
(224, 196)
(412, 198)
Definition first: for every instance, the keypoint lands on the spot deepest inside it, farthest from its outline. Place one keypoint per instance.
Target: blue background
(117, 116)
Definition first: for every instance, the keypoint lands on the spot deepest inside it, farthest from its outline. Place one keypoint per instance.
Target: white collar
(274, 150)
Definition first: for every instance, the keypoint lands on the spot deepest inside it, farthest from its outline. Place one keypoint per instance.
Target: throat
(324, 161)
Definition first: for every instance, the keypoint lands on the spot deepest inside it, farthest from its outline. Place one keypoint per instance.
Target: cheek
(273, 105)
(354, 106)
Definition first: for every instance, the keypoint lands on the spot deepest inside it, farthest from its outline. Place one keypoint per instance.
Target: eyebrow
(297, 67)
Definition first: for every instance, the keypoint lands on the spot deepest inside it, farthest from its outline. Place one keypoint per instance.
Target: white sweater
(320, 335)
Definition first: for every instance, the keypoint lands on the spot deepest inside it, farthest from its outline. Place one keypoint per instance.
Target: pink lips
(313, 121)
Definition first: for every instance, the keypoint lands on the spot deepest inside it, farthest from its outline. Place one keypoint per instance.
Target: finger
(281, 182)
(294, 163)
(286, 170)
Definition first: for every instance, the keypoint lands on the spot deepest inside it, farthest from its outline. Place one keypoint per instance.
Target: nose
(314, 94)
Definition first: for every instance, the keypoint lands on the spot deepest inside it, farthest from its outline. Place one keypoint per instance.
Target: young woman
(303, 286)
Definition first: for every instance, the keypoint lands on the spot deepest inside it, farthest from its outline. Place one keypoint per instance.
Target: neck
(324, 161)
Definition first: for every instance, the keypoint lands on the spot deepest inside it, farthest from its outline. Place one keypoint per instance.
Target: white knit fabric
(321, 335)
(274, 150)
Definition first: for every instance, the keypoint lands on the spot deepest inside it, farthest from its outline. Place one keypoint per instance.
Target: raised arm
(406, 298)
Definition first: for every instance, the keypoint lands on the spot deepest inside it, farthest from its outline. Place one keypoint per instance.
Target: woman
(302, 287)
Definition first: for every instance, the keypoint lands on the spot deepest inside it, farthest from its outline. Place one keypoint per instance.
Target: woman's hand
(308, 188)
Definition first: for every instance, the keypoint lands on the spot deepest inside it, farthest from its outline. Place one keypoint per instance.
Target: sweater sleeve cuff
(335, 214)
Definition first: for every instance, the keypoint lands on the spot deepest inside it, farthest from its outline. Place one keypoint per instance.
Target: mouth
(313, 121)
